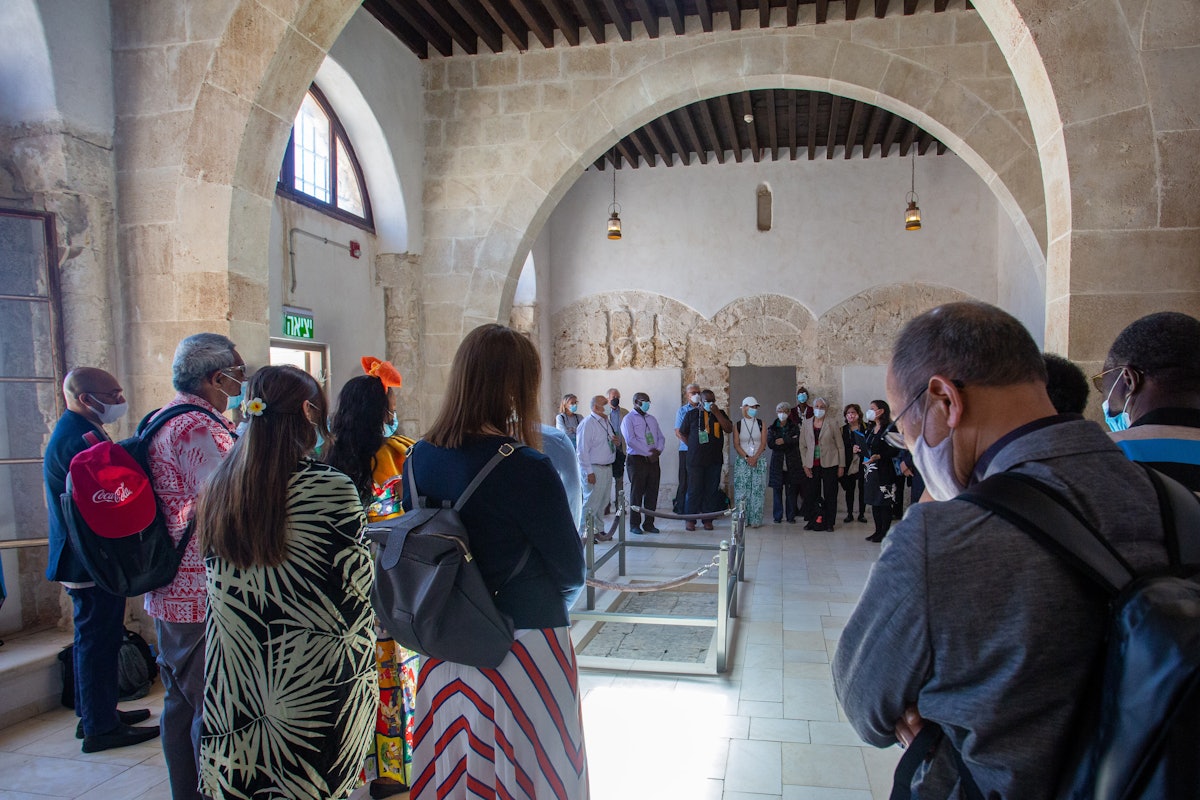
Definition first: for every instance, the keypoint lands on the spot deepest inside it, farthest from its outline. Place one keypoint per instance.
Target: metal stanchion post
(622, 515)
(590, 553)
(723, 608)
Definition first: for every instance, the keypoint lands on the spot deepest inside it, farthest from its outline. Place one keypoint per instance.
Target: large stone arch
(1109, 88)
(789, 58)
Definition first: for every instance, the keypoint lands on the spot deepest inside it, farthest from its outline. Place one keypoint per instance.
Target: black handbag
(428, 590)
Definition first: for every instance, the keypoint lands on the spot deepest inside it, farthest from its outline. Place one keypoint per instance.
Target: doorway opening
(312, 357)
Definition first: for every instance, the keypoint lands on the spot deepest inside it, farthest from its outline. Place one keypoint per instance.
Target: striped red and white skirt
(511, 732)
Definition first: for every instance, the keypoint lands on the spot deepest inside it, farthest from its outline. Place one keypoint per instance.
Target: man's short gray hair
(199, 356)
(973, 343)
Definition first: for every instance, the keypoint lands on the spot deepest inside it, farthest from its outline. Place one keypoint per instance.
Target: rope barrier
(657, 514)
(655, 587)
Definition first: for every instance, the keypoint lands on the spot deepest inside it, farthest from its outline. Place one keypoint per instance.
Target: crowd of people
(281, 681)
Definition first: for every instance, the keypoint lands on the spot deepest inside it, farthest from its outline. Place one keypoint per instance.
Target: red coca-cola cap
(113, 494)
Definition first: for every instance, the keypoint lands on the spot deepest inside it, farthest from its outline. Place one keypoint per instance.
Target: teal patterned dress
(750, 483)
(289, 709)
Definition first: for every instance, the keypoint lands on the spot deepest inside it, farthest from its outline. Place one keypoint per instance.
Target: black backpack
(428, 590)
(141, 560)
(1142, 735)
(136, 669)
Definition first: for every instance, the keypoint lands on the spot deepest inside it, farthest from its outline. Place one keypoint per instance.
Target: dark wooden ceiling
(428, 26)
(786, 124)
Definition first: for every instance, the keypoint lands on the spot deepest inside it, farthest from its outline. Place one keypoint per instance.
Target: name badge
(649, 438)
(703, 437)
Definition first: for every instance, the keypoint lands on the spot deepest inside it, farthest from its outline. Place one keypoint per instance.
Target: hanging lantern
(614, 212)
(912, 214)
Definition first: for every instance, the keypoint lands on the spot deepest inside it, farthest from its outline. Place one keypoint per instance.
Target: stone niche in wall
(642, 330)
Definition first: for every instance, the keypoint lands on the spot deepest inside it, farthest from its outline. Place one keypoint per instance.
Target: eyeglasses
(892, 434)
(1098, 380)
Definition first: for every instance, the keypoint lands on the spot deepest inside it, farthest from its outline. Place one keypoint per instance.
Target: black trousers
(644, 478)
(882, 515)
(807, 490)
(680, 504)
(851, 484)
(822, 486)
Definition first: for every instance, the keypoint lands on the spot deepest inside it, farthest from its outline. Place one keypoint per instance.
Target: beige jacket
(833, 452)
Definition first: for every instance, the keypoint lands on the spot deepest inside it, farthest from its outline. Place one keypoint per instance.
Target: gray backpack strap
(505, 451)
(1181, 518)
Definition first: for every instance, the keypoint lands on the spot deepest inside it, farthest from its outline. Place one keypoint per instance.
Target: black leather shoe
(120, 736)
(875, 538)
(650, 529)
(123, 717)
(862, 517)
(849, 518)
(638, 531)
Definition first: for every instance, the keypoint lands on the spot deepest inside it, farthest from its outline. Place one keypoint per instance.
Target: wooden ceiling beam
(889, 137)
(872, 131)
(910, 7)
(452, 24)
(822, 11)
(512, 25)
(856, 118)
(710, 130)
(731, 126)
(676, 16)
(427, 28)
(764, 13)
(689, 128)
(400, 28)
(813, 102)
(665, 152)
(483, 26)
(648, 16)
(537, 20)
(881, 7)
(940, 5)
(629, 156)
(563, 20)
(924, 142)
(648, 153)
(620, 19)
(831, 140)
(793, 13)
(941, 148)
(614, 157)
(735, 15)
(907, 141)
(748, 108)
(792, 119)
(851, 10)
(705, 11)
(587, 12)
(685, 156)
(772, 125)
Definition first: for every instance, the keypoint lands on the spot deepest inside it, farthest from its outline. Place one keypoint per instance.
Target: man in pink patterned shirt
(207, 372)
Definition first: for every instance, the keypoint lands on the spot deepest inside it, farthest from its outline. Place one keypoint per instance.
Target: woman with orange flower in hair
(366, 447)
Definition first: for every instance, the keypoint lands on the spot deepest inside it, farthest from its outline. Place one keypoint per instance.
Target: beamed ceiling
(786, 123)
(476, 26)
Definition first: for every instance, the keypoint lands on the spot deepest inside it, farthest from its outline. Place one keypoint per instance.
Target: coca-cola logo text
(118, 495)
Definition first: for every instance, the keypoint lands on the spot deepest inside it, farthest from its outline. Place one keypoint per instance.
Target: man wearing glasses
(966, 620)
(1151, 390)
(208, 373)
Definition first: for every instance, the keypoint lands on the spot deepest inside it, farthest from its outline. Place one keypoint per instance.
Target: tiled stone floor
(769, 728)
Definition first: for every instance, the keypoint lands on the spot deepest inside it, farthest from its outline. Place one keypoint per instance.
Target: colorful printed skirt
(395, 720)
(514, 731)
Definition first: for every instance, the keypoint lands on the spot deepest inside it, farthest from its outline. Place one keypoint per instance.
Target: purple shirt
(634, 428)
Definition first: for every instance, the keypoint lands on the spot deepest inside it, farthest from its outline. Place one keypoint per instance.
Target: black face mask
(616, 401)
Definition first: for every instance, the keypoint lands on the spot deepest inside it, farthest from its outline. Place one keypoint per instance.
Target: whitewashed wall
(690, 234)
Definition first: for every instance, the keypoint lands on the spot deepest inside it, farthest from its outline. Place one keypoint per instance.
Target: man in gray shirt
(965, 620)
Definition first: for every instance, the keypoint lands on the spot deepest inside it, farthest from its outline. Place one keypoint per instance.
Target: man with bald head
(596, 443)
(94, 399)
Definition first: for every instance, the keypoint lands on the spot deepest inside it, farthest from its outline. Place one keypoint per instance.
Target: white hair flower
(254, 408)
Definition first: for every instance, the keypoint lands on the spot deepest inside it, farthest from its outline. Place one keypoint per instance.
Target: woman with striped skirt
(514, 731)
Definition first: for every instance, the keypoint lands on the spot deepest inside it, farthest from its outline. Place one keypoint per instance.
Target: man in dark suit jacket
(94, 398)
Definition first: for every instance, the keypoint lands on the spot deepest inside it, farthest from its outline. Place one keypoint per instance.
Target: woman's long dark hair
(358, 431)
(242, 512)
(493, 384)
(886, 419)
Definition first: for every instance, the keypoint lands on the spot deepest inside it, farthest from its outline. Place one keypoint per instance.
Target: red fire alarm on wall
(355, 249)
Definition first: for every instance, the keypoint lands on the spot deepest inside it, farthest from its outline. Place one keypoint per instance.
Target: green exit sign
(298, 323)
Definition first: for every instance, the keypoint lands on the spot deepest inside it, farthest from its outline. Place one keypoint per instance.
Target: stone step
(30, 674)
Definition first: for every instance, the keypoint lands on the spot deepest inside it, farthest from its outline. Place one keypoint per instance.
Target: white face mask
(870, 415)
(782, 416)
(936, 465)
(108, 414)
(818, 412)
(695, 399)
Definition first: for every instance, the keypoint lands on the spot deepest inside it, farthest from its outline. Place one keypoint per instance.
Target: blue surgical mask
(390, 427)
(802, 397)
(1116, 422)
(708, 405)
(235, 400)
(320, 441)
(573, 407)
(645, 406)
(752, 412)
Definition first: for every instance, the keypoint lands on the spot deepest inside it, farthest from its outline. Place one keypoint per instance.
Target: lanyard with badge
(649, 435)
(703, 437)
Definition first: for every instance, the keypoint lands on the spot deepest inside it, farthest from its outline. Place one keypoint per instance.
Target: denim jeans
(99, 629)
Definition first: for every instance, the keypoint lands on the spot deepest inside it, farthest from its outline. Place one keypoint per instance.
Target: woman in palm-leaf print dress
(291, 691)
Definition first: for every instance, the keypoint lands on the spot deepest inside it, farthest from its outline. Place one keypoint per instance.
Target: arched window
(319, 168)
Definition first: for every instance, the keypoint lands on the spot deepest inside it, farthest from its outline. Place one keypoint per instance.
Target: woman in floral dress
(290, 688)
